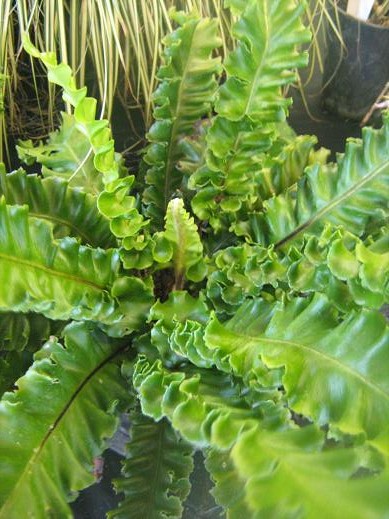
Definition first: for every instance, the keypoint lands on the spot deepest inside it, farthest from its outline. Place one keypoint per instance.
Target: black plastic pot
(355, 75)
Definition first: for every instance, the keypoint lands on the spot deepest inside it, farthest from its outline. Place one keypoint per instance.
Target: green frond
(245, 165)
(94, 137)
(96, 131)
(347, 270)
(343, 267)
(180, 245)
(156, 471)
(67, 153)
(352, 194)
(229, 177)
(267, 34)
(71, 211)
(127, 223)
(63, 279)
(179, 307)
(19, 332)
(291, 474)
(252, 442)
(70, 393)
(96, 165)
(238, 173)
(333, 367)
(184, 95)
(206, 407)
(229, 489)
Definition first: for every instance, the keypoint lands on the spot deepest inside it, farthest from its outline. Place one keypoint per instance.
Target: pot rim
(358, 20)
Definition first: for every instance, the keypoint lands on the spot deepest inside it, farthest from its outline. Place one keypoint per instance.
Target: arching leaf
(93, 134)
(63, 279)
(179, 307)
(244, 167)
(277, 470)
(184, 95)
(71, 211)
(337, 263)
(82, 123)
(289, 474)
(335, 372)
(127, 223)
(208, 408)
(267, 32)
(238, 174)
(69, 394)
(229, 489)
(353, 194)
(66, 154)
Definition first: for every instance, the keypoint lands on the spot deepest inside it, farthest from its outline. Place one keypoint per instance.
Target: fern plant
(228, 295)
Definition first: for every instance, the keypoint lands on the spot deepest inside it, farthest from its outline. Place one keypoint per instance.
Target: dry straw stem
(121, 39)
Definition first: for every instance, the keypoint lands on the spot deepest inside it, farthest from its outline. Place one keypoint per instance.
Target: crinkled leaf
(179, 307)
(70, 394)
(336, 263)
(156, 471)
(207, 407)
(183, 244)
(353, 194)
(93, 134)
(67, 154)
(268, 32)
(184, 95)
(229, 489)
(63, 279)
(71, 211)
(335, 372)
(127, 223)
(277, 470)
(288, 474)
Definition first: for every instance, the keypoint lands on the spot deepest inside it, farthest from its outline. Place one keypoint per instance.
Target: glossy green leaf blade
(246, 164)
(178, 308)
(207, 407)
(229, 489)
(337, 263)
(28, 331)
(336, 371)
(61, 401)
(180, 244)
(262, 466)
(91, 133)
(287, 474)
(268, 33)
(184, 95)
(354, 194)
(156, 471)
(66, 154)
(71, 211)
(238, 173)
(63, 279)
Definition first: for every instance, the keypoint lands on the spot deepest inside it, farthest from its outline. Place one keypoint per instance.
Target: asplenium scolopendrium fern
(265, 347)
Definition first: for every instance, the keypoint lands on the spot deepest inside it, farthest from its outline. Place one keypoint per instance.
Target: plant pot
(355, 74)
